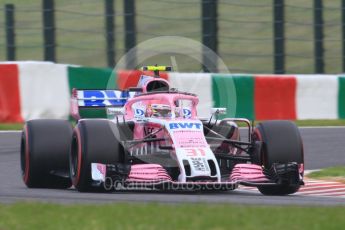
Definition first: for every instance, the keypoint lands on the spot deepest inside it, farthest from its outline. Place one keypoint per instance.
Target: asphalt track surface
(323, 147)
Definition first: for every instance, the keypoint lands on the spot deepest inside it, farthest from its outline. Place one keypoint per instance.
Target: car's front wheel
(93, 141)
(281, 144)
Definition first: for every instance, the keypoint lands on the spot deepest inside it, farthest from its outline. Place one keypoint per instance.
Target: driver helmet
(161, 110)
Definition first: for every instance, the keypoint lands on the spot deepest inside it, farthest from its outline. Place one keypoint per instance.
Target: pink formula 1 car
(154, 139)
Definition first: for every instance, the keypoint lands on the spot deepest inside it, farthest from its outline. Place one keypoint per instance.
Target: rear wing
(85, 102)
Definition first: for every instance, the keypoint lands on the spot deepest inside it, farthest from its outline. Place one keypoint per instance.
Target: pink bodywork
(248, 172)
(148, 173)
(160, 98)
(157, 98)
(156, 173)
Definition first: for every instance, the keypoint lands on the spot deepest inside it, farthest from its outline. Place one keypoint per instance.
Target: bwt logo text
(184, 125)
(101, 98)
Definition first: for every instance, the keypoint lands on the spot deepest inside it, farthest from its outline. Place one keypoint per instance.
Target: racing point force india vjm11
(155, 140)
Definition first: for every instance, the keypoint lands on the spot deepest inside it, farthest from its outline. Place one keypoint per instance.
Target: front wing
(154, 176)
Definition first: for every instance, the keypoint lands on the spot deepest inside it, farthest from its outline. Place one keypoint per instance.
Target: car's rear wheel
(93, 141)
(45, 146)
(281, 144)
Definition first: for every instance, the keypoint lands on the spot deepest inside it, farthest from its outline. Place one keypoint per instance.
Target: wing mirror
(218, 111)
(111, 111)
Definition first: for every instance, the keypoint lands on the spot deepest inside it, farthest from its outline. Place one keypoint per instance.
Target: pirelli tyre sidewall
(44, 153)
(281, 143)
(93, 141)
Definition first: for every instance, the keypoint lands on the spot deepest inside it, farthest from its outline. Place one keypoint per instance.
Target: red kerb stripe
(9, 94)
(275, 97)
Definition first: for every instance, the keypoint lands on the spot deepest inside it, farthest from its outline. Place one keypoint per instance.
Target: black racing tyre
(44, 154)
(281, 143)
(93, 141)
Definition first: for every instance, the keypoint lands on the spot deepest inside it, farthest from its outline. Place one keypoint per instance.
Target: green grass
(337, 172)
(303, 123)
(312, 123)
(159, 216)
(309, 123)
(81, 40)
(11, 126)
